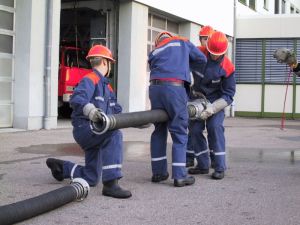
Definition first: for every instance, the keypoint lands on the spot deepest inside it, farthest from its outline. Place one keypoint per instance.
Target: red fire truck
(73, 66)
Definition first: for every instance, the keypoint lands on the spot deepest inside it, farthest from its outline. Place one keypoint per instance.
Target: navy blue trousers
(216, 137)
(173, 100)
(103, 155)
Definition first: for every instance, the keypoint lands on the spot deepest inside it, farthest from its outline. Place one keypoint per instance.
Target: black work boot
(218, 175)
(159, 177)
(111, 188)
(56, 167)
(189, 180)
(197, 170)
(189, 162)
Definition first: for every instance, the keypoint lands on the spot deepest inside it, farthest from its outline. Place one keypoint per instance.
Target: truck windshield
(77, 58)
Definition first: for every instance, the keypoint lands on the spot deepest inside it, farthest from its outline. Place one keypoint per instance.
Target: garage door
(7, 11)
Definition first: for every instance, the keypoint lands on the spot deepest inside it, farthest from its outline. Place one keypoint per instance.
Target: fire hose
(136, 119)
(19, 211)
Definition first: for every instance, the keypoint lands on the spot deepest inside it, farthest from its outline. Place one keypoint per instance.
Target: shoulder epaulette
(167, 40)
(227, 66)
(93, 77)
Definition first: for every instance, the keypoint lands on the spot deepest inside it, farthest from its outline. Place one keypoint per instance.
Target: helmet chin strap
(108, 69)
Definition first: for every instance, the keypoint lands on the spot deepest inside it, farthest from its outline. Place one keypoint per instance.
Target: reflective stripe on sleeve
(172, 44)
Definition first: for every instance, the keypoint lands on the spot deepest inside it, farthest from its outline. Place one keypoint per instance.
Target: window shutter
(275, 72)
(248, 61)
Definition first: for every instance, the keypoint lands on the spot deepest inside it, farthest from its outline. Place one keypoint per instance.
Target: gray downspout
(47, 76)
(234, 31)
(232, 106)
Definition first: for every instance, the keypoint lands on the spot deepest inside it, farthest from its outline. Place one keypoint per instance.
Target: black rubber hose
(136, 119)
(19, 211)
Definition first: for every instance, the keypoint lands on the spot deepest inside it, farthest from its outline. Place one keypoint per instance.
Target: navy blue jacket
(93, 88)
(217, 80)
(173, 57)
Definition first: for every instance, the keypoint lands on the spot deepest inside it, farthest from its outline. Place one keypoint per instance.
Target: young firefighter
(217, 84)
(169, 78)
(204, 33)
(103, 153)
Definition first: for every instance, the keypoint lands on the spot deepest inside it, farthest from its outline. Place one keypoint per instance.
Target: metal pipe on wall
(47, 76)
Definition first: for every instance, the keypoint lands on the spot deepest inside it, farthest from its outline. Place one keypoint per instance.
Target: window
(266, 4)
(292, 9)
(157, 24)
(248, 61)
(6, 20)
(252, 4)
(283, 6)
(6, 43)
(9, 3)
(7, 35)
(243, 2)
(276, 73)
(276, 6)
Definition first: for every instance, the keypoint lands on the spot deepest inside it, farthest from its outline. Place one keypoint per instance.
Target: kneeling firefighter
(217, 84)
(103, 153)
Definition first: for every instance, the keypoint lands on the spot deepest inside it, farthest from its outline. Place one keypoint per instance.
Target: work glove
(213, 108)
(287, 56)
(207, 112)
(93, 113)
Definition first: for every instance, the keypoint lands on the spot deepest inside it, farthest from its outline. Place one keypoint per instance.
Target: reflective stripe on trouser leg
(215, 131)
(200, 144)
(112, 157)
(72, 171)
(91, 172)
(158, 149)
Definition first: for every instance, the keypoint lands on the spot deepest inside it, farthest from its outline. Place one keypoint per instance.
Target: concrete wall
(217, 13)
(190, 30)
(132, 56)
(248, 98)
(30, 52)
(268, 26)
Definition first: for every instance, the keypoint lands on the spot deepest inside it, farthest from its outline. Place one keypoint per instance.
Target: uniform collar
(102, 78)
(219, 60)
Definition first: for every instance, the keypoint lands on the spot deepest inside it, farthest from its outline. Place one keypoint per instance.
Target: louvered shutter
(248, 61)
(275, 72)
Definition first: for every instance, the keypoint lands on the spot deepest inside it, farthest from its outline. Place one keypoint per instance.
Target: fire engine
(73, 67)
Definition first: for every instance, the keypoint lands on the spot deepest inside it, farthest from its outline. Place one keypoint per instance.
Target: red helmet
(217, 43)
(206, 31)
(100, 51)
(161, 36)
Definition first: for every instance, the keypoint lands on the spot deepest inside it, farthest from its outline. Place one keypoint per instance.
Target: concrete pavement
(261, 185)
